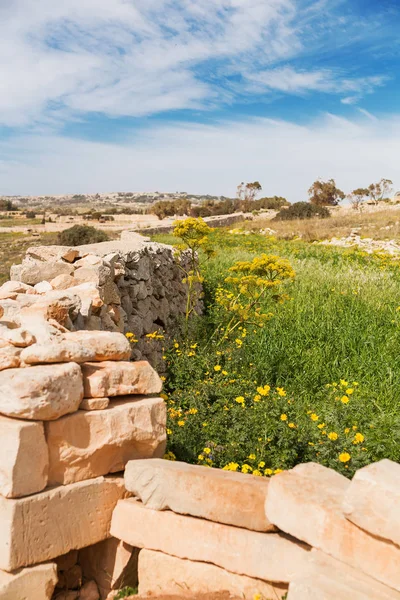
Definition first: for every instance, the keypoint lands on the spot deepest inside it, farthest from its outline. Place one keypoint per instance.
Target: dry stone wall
(131, 285)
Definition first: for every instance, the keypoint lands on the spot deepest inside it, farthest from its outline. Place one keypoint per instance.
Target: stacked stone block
(73, 411)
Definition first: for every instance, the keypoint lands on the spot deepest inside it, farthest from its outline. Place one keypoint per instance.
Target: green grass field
(341, 323)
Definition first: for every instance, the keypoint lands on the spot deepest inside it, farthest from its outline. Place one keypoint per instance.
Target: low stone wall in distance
(131, 285)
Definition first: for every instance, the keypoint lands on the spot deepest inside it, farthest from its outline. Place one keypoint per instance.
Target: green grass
(341, 323)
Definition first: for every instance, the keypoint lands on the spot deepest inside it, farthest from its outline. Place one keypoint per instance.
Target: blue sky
(198, 95)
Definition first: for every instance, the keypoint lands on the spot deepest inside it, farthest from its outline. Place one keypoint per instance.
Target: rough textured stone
(51, 253)
(160, 574)
(119, 379)
(267, 556)
(9, 357)
(66, 561)
(33, 583)
(329, 579)
(94, 403)
(112, 564)
(306, 502)
(40, 527)
(16, 336)
(41, 392)
(91, 443)
(80, 346)
(24, 458)
(62, 282)
(89, 591)
(232, 498)
(62, 307)
(373, 498)
(33, 272)
(43, 287)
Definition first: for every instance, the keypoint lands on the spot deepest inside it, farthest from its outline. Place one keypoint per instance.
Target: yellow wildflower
(246, 469)
(344, 457)
(257, 398)
(333, 436)
(224, 372)
(252, 457)
(263, 391)
(358, 438)
(257, 473)
(344, 399)
(217, 368)
(232, 466)
(343, 383)
(314, 417)
(347, 430)
(207, 450)
(200, 457)
(283, 417)
(281, 392)
(349, 391)
(277, 471)
(321, 425)
(261, 464)
(169, 431)
(240, 400)
(292, 425)
(169, 456)
(181, 423)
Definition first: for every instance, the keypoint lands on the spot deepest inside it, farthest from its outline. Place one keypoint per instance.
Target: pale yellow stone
(24, 458)
(161, 574)
(372, 500)
(119, 379)
(46, 525)
(214, 494)
(62, 282)
(267, 556)
(330, 579)
(53, 253)
(94, 403)
(112, 564)
(32, 583)
(87, 444)
(80, 346)
(44, 392)
(9, 356)
(16, 336)
(306, 503)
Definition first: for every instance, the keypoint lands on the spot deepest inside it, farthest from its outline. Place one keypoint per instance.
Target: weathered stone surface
(160, 574)
(24, 458)
(80, 346)
(41, 392)
(89, 591)
(62, 282)
(9, 357)
(94, 403)
(40, 527)
(119, 379)
(232, 498)
(268, 556)
(87, 444)
(43, 287)
(53, 253)
(66, 561)
(112, 564)
(17, 336)
(329, 579)
(60, 306)
(306, 502)
(372, 500)
(33, 272)
(32, 583)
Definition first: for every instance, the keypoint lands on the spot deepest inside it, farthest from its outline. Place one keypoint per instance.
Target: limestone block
(43, 526)
(33, 272)
(94, 403)
(17, 336)
(32, 583)
(89, 591)
(62, 282)
(24, 458)
(267, 556)
(112, 564)
(43, 287)
(80, 346)
(62, 308)
(14, 287)
(232, 498)
(160, 574)
(9, 357)
(44, 392)
(110, 293)
(372, 500)
(51, 253)
(119, 379)
(91, 443)
(329, 579)
(306, 502)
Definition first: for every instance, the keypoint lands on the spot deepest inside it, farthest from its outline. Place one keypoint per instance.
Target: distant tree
(358, 197)
(248, 191)
(302, 210)
(378, 191)
(30, 214)
(325, 193)
(79, 235)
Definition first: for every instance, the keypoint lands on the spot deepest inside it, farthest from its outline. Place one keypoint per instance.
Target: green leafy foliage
(302, 210)
(79, 235)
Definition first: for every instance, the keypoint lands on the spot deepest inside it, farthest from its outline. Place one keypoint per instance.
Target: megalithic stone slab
(231, 498)
(372, 500)
(268, 556)
(32, 583)
(46, 525)
(331, 579)
(42, 393)
(24, 458)
(119, 379)
(306, 502)
(161, 574)
(87, 444)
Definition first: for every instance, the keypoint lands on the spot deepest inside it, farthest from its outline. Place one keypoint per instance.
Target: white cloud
(284, 157)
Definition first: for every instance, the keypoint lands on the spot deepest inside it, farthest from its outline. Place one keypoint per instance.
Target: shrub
(81, 234)
(30, 214)
(302, 210)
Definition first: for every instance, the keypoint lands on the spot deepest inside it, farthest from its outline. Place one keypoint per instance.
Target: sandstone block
(41, 392)
(267, 556)
(80, 346)
(16, 336)
(33, 583)
(372, 500)
(112, 564)
(213, 494)
(87, 444)
(306, 502)
(62, 282)
(43, 526)
(160, 574)
(24, 458)
(329, 579)
(9, 357)
(119, 379)
(94, 403)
